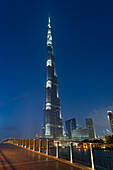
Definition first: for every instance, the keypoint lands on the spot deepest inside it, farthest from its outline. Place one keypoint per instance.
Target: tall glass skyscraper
(89, 125)
(52, 122)
(70, 126)
(110, 118)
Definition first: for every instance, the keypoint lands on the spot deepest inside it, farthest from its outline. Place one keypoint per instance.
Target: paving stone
(15, 158)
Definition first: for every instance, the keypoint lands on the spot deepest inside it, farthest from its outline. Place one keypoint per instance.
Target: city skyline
(83, 41)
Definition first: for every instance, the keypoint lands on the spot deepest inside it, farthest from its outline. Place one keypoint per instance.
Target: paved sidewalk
(15, 158)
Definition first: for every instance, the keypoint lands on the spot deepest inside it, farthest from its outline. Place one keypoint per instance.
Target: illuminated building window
(49, 42)
(50, 37)
(49, 84)
(49, 32)
(49, 63)
(48, 106)
(57, 93)
(47, 129)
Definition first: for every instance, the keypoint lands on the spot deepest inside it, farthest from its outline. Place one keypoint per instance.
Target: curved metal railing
(94, 155)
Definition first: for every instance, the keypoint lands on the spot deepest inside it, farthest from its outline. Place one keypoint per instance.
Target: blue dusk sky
(82, 33)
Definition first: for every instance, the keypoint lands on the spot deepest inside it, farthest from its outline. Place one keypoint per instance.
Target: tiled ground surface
(14, 158)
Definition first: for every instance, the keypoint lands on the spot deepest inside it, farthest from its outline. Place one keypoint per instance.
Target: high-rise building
(79, 134)
(89, 125)
(70, 125)
(52, 122)
(110, 118)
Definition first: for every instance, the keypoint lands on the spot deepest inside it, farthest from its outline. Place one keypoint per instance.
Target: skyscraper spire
(52, 122)
(49, 36)
(49, 20)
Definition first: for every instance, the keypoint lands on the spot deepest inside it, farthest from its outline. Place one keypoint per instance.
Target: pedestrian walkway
(15, 158)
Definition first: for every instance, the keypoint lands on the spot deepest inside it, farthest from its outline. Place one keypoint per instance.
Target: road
(15, 158)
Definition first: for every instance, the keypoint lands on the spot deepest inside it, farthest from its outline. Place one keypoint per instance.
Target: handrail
(31, 144)
(61, 141)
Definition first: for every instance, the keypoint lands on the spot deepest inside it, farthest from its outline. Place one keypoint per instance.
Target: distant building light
(47, 129)
(49, 31)
(49, 84)
(48, 106)
(109, 111)
(49, 63)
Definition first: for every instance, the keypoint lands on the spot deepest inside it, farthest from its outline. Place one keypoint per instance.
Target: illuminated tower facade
(110, 118)
(52, 122)
(70, 126)
(89, 125)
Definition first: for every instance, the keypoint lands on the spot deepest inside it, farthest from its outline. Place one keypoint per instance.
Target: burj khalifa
(52, 127)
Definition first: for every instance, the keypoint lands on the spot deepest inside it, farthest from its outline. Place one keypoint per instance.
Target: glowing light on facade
(47, 130)
(57, 94)
(48, 106)
(49, 63)
(49, 84)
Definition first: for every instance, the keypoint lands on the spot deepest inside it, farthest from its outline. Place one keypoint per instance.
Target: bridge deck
(15, 158)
